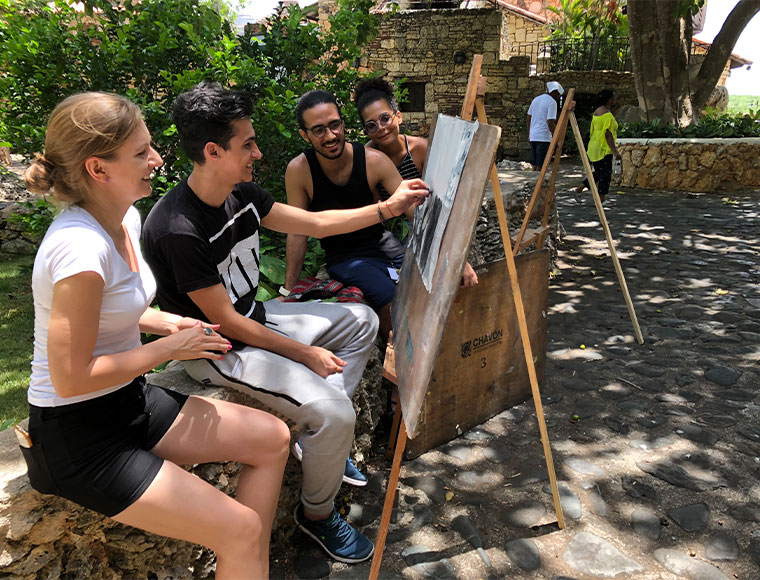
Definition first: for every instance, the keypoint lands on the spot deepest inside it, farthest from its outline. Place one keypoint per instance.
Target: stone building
(430, 53)
(427, 47)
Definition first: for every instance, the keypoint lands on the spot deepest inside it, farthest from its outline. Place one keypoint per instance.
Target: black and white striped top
(406, 168)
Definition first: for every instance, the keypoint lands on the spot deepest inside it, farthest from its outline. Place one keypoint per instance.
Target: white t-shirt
(75, 243)
(543, 107)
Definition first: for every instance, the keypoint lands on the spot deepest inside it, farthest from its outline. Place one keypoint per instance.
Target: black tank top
(369, 242)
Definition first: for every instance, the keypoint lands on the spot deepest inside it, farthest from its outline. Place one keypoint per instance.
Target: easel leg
(390, 495)
(525, 338)
(470, 99)
(394, 432)
(555, 148)
(606, 227)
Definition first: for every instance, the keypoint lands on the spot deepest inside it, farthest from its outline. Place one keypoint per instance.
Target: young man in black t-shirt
(304, 360)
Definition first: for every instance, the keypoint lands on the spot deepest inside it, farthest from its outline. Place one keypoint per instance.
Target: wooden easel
(473, 99)
(527, 236)
(606, 227)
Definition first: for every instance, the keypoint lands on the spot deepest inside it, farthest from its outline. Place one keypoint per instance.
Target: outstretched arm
(380, 169)
(292, 220)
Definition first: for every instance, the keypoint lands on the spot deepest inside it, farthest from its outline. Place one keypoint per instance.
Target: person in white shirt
(542, 119)
(99, 435)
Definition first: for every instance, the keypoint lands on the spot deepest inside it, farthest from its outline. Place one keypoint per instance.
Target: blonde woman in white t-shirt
(98, 434)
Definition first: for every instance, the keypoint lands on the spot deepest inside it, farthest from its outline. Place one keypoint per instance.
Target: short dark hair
(370, 91)
(205, 113)
(604, 96)
(312, 99)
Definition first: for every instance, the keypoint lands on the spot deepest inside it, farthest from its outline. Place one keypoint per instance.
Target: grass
(16, 337)
(743, 103)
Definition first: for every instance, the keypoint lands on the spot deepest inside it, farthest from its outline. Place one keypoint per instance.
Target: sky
(254, 10)
(741, 81)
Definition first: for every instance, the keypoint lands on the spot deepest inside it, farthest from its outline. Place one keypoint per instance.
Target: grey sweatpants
(322, 407)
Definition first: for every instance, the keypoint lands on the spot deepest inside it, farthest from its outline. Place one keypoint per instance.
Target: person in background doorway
(542, 120)
(601, 144)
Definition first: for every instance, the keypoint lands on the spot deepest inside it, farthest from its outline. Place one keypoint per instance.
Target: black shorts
(97, 452)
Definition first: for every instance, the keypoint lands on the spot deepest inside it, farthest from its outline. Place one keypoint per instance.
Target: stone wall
(419, 46)
(517, 29)
(701, 165)
(591, 82)
(13, 238)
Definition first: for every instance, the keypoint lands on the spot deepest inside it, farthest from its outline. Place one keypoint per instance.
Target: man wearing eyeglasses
(333, 174)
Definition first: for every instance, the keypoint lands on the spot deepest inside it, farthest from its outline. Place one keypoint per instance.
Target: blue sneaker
(337, 538)
(351, 474)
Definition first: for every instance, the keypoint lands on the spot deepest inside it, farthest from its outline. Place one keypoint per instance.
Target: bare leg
(180, 505)
(384, 314)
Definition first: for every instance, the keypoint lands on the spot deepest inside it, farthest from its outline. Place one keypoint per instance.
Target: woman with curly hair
(381, 119)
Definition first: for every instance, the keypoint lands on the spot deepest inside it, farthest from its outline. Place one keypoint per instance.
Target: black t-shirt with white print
(190, 246)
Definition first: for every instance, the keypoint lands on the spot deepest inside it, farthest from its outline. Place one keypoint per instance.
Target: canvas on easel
(420, 309)
(415, 311)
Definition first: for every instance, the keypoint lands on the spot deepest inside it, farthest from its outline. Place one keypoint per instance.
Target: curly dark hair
(604, 97)
(371, 90)
(205, 114)
(312, 99)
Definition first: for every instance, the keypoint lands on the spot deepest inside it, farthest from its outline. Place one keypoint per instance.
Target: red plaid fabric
(312, 288)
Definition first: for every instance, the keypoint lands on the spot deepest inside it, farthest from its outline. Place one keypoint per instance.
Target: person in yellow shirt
(601, 144)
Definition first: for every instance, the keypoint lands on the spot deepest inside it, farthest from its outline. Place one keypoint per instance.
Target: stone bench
(45, 536)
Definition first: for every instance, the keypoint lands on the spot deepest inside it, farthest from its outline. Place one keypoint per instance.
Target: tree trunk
(660, 39)
(645, 59)
(712, 66)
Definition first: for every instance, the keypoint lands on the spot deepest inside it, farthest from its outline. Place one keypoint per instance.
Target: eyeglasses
(371, 127)
(319, 131)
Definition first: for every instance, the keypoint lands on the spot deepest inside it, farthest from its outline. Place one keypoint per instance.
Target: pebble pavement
(656, 446)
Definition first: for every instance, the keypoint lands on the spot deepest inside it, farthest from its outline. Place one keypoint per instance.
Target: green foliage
(295, 56)
(743, 103)
(16, 336)
(688, 8)
(152, 51)
(35, 220)
(710, 125)
(588, 19)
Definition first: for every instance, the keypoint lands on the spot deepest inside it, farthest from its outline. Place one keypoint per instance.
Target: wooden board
(480, 369)
(419, 317)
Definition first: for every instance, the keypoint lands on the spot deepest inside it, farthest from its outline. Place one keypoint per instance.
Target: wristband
(389, 209)
(284, 291)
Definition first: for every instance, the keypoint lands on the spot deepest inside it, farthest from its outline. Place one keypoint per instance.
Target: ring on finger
(207, 331)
